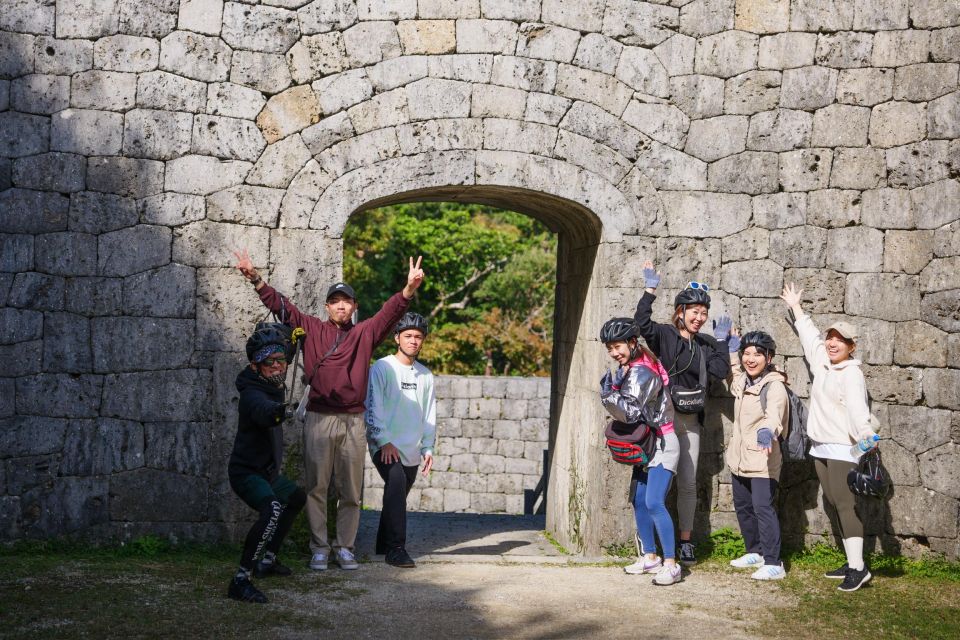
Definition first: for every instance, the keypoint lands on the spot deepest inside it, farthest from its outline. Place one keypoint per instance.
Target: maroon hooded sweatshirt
(340, 382)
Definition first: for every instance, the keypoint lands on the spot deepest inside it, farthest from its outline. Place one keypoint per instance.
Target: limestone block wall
(492, 433)
(742, 142)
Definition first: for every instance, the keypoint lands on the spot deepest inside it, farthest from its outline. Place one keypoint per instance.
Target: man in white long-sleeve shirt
(401, 420)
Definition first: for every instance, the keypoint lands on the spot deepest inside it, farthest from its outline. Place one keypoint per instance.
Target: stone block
(799, 247)
(70, 505)
(546, 42)
(762, 16)
(779, 130)
(316, 56)
(62, 172)
(130, 177)
(108, 90)
(87, 18)
(943, 309)
(885, 296)
(907, 251)
(397, 72)
(195, 56)
(67, 347)
(642, 70)
(812, 15)
(866, 87)
(823, 289)
(676, 54)
(663, 122)
(28, 16)
(945, 45)
(940, 469)
(431, 98)
(62, 57)
(101, 447)
(233, 138)
(727, 54)
(464, 463)
(203, 175)
(36, 291)
(901, 465)
(115, 257)
(939, 274)
(787, 50)
(143, 495)
(705, 17)
(943, 116)
(811, 87)
(171, 209)
(513, 135)
(521, 466)
(25, 359)
(160, 135)
(21, 475)
(898, 48)
(328, 132)
(752, 243)
(266, 72)
(805, 169)
(896, 123)
(66, 253)
(858, 168)
(201, 16)
(361, 150)
(468, 67)
(603, 90)
(714, 138)
(666, 167)
(207, 244)
(517, 10)
(15, 54)
(490, 101)
(597, 52)
(20, 326)
(280, 162)
(946, 242)
(482, 36)
(383, 110)
(183, 447)
(163, 343)
(440, 135)
(86, 132)
(900, 385)
(149, 18)
(592, 156)
(524, 73)
(921, 512)
(32, 435)
(343, 90)
(246, 205)
(749, 172)
(698, 96)
(833, 208)
(321, 16)
(40, 94)
(168, 291)
(918, 343)
(126, 53)
(59, 395)
(752, 92)
(386, 9)
(181, 395)
(259, 28)
(370, 42)
(681, 257)
(840, 126)
(771, 315)
(94, 296)
(934, 204)
(688, 213)
(16, 252)
(490, 464)
(455, 500)
(887, 209)
(926, 81)
(847, 49)
(162, 90)
(752, 278)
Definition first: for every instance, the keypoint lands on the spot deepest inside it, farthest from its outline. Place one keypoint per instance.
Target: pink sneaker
(643, 565)
(668, 574)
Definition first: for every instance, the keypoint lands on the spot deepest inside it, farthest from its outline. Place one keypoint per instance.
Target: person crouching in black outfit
(255, 463)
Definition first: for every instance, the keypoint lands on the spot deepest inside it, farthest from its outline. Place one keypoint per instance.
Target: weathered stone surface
(168, 291)
(316, 56)
(598, 53)
(31, 435)
(66, 253)
(547, 42)
(806, 169)
(116, 257)
(823, 289)
(946, 242)
(771, 316)
(245, 204)
(370, 42)
(900, 385)
(86, 132)
(22, 134)
(907, 251)
(203, 175)
(867, 87)
(266, 72)
(431, 98)
(94, 296)
(706, 215)
(844, 50)
(662, 122)
(36, 291)
(943, 117)
(858, 168)
(259, 28)
(840, 126)
(855, 249)
(109, 90)
(752, 278)
(70, 505)
(16, 252)
(901, 465)
(887, 209)
(918, 343)
(759, 16)
(327, 132)
(201, 16)
(779, 130)
(752, 243)
(939, 274)
(920, 82)
(523, 73)
(195, 56)
(897, 123)
(141, 495)
(898, 48)
(934, 204)
(752, 92)
(580, 84)
(67, 347)
(149, 18)
(321, 16)
(101, 447)
(178, 395)
(698, 96)
(490, 101)
(160, 135)
(125, 176)
(228, 138)
(383, 110)
(478, 36)
(440, 135)
(41, 94)
(833, 208)
(61, 172)
(727, 54)
(184, 447)
(126, 53)
(808, 87)
(705, 17)
(787, 50)
(24, 359)
(162, 90)
(942, 309)
(162, 343)
(337, 92)
(944, 45)
(365, 149)
(62, 57)
(59, 395)
(279, 163)
(922, 512)
(19, 326)
(642, 70)
(714, 138)
(669, 168)
(749, 172)
(28, 16)
(799, 247)
(395, 72)
(208, 244)
(87, 18)
(884, 296)
(940, 469)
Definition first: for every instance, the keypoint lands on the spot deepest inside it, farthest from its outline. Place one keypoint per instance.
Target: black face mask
(277, 380)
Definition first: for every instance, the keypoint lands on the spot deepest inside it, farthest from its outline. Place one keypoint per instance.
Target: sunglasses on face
(269, 362)
(697, 285)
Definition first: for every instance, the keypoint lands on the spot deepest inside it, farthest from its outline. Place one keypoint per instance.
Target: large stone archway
(744, 142)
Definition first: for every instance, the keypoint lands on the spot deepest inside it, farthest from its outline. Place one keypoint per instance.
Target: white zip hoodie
(839, 415)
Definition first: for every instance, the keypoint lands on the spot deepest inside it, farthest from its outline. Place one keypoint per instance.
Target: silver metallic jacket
(639, 398)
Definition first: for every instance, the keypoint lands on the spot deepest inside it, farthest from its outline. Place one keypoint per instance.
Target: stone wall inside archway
(743, 142)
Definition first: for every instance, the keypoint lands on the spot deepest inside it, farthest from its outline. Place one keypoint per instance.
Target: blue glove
(733, 344)
(618, 376)
(651, 279)
(765, 438)
(606, 384)
(722, 327)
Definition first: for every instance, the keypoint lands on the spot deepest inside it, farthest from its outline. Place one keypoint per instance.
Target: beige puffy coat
(744, 455)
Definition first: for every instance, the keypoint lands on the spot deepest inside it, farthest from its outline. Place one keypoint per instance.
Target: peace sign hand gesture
(414, 278)
(245, 265)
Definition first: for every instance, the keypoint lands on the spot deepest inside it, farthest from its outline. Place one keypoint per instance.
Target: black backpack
(797, 443)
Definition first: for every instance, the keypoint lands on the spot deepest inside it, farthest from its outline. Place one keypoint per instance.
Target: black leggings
(273, 525)
(397, 481)
(833, 481)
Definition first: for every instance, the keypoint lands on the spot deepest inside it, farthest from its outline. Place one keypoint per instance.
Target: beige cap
(845, 329)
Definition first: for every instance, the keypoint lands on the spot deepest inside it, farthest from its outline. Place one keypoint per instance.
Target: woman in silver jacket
(634, 394)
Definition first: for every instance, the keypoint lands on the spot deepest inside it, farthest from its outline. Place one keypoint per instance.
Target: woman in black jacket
(691, 358)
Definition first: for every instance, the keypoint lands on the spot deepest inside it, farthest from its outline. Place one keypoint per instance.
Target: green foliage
(724, 544)
(148, 546)
(489, 287)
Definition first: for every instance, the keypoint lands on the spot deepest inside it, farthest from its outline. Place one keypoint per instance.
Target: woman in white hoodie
(839, 418)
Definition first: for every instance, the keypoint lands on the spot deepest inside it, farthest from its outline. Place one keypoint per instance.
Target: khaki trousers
(334, 444)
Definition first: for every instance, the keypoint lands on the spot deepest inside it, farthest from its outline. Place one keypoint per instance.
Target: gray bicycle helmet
(411, 320)
(692, 296)
(618, 330)
(760, 340)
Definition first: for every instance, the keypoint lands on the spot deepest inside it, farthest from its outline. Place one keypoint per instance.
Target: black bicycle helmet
(869, 479)
(411, 320)
(266, 334)
(618, 330)
(692, 296)
(761, 340)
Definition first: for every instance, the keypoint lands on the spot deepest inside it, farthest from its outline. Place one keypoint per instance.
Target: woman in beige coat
(761, 411)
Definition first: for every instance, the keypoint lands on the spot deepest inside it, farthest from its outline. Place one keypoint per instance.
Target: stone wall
(491, 437)
(742, 142)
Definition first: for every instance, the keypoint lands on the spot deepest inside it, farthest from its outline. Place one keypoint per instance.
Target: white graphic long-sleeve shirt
(401, 409)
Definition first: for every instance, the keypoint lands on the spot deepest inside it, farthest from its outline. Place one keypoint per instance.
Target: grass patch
(556, 545)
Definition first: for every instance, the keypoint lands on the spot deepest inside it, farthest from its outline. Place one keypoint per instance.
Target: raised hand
(651, 279)
(414, 278)
(245, 264)
(791, 295)
(722, 327)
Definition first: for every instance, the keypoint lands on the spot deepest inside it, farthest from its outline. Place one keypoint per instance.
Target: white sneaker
(319, 561)
(345, 559)
(668, 574)
(769, 572)
(642, 565)
(747, 561)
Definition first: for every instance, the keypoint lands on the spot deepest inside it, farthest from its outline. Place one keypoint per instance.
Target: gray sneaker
(319, 561)
(346, 560)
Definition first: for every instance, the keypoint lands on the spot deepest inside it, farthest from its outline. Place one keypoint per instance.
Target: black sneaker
(687, 556)
(855, 579)
(838, 574)
(400, 558)
(243, 590)
(262, 570)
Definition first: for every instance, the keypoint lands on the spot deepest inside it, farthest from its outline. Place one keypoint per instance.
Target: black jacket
(679, 356)
(258, 447)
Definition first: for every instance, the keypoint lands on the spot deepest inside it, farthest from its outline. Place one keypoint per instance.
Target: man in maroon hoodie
(336, 358)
